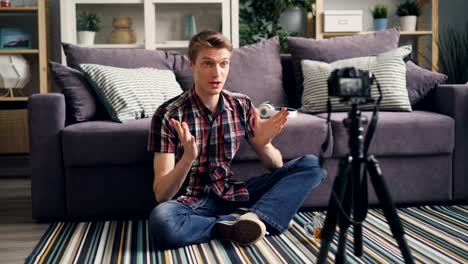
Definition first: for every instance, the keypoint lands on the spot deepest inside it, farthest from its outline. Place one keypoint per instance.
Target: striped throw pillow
(388, 68)
(130, 94)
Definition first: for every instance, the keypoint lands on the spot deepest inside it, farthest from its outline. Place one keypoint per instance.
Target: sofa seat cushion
(302, 135)
(106, 142)
(400, 133)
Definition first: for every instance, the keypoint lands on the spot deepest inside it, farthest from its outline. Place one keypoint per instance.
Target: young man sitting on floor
(195, 136)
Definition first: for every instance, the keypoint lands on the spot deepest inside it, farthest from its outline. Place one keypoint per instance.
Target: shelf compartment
(107, 10)
(170, 20)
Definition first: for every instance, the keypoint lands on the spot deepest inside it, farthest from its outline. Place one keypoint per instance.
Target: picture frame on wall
(15, 38)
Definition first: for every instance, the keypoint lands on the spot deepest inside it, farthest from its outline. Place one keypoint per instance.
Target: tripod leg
(388, 207)
(339, 187)
(344, 224)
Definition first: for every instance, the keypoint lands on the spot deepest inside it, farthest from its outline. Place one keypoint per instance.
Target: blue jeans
(274, 197)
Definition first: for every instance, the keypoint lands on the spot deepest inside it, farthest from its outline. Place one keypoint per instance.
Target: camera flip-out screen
(350, 86)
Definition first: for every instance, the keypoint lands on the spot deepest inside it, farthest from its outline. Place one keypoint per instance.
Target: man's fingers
(187, 133)
(179, 129)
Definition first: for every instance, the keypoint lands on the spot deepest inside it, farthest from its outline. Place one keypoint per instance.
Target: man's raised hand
(266, 130)
(187, 140)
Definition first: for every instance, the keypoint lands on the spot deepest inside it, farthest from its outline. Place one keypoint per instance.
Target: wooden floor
(19, 233)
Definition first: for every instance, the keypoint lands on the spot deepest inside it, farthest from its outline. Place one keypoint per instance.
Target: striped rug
(436, 234)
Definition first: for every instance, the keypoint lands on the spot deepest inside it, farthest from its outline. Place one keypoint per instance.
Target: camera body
(350, 82)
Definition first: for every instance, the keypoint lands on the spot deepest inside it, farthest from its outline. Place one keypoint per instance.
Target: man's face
(210, 70)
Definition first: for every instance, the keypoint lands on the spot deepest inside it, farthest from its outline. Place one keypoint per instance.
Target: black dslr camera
(349, 83)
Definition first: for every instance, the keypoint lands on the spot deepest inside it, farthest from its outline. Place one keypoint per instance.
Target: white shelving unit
(422, 30)
(158, 24)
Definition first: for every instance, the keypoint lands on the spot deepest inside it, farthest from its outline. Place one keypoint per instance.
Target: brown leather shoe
(247, 230)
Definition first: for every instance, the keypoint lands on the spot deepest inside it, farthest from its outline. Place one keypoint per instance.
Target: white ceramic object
(408, 23)
(14, 72)
(86, 38)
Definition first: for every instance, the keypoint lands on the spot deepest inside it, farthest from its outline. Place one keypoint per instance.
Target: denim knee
(162, 226)
(307, 161)
(310, 163)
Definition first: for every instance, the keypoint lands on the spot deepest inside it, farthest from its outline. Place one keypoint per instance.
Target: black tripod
(350, 191)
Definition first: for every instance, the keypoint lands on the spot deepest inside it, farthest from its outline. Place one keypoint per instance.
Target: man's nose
(216, 70)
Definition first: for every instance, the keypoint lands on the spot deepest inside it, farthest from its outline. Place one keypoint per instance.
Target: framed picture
(15, 38)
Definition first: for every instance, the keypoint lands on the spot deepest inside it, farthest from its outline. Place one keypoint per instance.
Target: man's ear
(190, 64)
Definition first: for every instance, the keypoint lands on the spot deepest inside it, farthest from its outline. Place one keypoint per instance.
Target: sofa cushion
(106, 142)
(388, 68)
(420, 81)
(400, 134)
(302, 135)
(130, 94)
(255, 70)
(131, 58)
(338, 48)
(80, 99)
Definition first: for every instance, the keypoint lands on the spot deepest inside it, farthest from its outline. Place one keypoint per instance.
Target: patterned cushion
(338, 48)
(388, 68)
(130, 94)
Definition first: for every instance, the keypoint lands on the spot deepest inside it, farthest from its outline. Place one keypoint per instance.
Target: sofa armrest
(452, 100)
(46, 117)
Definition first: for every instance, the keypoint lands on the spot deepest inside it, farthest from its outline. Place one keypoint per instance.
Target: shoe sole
(244, 231)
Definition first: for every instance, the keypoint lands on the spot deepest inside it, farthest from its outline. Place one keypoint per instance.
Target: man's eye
(206, 63)
(224, 64)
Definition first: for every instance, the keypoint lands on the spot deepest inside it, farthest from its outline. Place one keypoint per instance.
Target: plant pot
(380, 24)
(408, 23)
(86, 37)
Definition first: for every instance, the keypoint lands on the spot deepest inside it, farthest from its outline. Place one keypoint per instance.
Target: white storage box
(342, 21)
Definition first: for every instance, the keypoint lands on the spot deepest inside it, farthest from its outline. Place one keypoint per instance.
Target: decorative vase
(190, 27)
(123, 32)
(380, 24)
(408, 23)
(86, 38)
(294, 19)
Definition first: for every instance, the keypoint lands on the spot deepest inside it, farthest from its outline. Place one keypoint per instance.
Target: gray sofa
(101, 169)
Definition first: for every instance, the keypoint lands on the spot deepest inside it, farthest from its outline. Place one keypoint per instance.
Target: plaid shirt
(217, 137)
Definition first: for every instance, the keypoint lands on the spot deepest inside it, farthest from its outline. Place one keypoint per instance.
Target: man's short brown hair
(207, 39)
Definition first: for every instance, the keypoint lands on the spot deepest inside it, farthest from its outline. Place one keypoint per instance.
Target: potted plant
(87, 25)
(264, 19)
(379, 13)
(408, 11)
(453, 47)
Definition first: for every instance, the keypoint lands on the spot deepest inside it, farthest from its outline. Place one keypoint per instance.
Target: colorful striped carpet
(436, 234)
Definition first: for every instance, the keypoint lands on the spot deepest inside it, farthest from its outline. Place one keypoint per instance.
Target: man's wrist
(186, 161)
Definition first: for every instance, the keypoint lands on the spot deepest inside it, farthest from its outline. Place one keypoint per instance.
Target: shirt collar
(199, 108)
